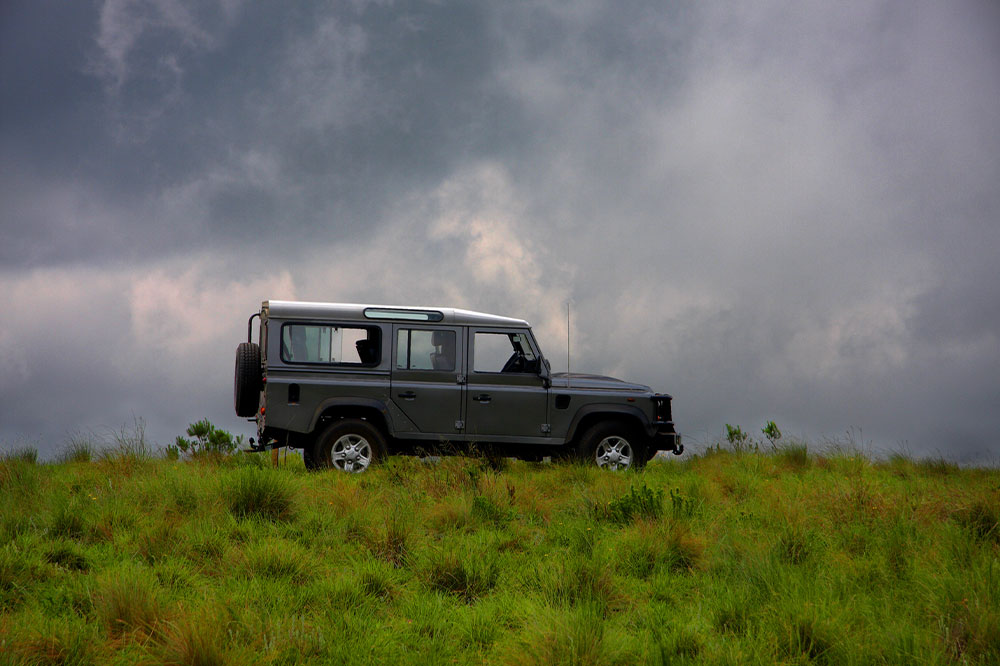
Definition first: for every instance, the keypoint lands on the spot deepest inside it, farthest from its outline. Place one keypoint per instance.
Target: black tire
(613, 445)
(349, 445)
(307, 458)
(247, 380)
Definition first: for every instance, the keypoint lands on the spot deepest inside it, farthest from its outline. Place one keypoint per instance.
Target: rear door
(427, 380)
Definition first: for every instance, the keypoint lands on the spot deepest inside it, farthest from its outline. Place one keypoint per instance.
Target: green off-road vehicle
(350, 384)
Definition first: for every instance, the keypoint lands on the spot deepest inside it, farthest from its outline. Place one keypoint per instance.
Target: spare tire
(247, 382)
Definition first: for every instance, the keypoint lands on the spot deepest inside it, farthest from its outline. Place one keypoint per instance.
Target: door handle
(407, 395)
(482, 398)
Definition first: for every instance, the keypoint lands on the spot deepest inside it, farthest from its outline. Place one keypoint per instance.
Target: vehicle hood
(579, 380)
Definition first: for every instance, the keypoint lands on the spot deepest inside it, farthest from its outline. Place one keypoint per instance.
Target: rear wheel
(307, 458)
(349, 445)
(247, 380)
(614, 446)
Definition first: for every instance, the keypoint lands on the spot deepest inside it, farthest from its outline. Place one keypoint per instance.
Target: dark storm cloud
(344, 105)
(782, 210)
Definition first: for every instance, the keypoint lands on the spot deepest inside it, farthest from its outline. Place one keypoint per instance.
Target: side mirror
(545, 372)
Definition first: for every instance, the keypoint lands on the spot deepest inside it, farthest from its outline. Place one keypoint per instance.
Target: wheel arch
(371, 410)
(590, 415)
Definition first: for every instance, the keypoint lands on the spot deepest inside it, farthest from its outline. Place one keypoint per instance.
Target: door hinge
(460, 379)
(459, 425)
(546, 428)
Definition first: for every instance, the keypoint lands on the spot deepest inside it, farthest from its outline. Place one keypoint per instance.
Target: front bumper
(666, 438)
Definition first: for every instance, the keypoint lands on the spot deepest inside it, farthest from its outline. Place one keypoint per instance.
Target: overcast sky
(771, 210)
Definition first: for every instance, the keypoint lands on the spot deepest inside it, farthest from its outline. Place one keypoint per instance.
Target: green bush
(642, 502)
(206, 439)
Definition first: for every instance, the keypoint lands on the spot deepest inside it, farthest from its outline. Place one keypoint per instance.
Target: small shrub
(771, 432)
(681, 506)
(739, 441)
(259, 493)
(206, 439)
(642, 502)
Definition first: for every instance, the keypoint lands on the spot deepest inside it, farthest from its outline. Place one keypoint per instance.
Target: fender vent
(562, 401)
(293, 394)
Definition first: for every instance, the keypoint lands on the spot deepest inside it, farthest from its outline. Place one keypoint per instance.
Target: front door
(427, 376)
(505, 396)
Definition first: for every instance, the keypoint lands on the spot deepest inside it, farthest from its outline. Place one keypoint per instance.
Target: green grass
(789, 556)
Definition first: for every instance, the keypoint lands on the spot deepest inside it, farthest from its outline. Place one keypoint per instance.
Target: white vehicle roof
(357, 312)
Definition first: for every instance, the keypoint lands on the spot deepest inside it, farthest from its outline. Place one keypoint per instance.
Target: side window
(328, 343)
(418, 349)
(503, 352)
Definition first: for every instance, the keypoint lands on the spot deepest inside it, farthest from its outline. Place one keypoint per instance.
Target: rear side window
(425, 350)
(328, 343)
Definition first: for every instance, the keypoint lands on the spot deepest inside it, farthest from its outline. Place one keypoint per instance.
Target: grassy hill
(726, 557)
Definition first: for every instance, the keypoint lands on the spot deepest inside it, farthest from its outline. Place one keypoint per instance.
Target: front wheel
(350, 445)
(613, 446)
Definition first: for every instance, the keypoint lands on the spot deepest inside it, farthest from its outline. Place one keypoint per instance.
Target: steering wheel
(514, 364)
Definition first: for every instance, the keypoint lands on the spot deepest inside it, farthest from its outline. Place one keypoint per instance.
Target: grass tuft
(465, 577)
(486, 510)
(68, 556)
(24, 454)
(126, 601)
(259, 493)
(391, 544)
(196, 640)
(981, 519)
(577, 639)
(69, 520)
(79, 449)
(577, 581)
(807, 638)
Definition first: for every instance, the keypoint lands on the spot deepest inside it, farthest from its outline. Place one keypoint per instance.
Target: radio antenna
(567, 345)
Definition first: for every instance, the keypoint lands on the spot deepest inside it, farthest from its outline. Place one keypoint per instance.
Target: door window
(418, 349)
(503, 352)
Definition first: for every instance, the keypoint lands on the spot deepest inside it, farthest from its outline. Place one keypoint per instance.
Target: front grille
(663, 413)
